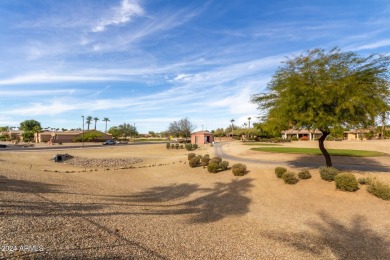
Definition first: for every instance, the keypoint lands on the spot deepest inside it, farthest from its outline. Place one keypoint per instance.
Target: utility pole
(83, 130)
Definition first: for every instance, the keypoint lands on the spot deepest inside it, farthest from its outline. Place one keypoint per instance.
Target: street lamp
(83, 130)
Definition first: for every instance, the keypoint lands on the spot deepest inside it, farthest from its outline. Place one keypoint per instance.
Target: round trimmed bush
(305, 174)
(191, 155)
(195, 146)
(194, 162)
(188, 147)
(364, 181)
(213, 167)
(290, 177)
(239, 169)
(177, 146)
(205, 160)
(279, 171)
(328, 173)
(216, 160)
(224, 165)
(168, 145)
(172, 146)
(346, 182)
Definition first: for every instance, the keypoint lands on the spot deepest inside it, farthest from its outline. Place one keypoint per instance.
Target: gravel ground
(173, 211)
(99, 162)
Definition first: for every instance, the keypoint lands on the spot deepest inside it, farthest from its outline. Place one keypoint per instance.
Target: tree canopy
(30, 126)
(325, 90)
(124, 130)
(183, 127)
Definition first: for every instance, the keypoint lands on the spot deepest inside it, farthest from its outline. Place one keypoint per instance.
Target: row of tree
(89, 119)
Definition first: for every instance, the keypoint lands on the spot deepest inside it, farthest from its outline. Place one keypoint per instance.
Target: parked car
(109, 142)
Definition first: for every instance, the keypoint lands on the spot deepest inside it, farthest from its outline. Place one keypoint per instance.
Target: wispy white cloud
(372, 45)
(52, 78)
(36, 92)
(120, 15)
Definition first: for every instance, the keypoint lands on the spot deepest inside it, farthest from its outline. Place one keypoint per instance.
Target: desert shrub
(168, 145)
(379, 189)
(191, 155)
(290, 177)
(305, 174)
(224, 165)
(346, 182)
(177, 146)
(364, 181)
(279, 171)
(193, 162)
(328, 173)
(217, 160)
(195, 146)
(239, 169)
(181, 146)
(213, 167)
(188, 147)
(294, 138)
(205, 160)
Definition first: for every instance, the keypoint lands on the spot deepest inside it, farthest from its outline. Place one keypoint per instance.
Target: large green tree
(124, 130)
(325, 90)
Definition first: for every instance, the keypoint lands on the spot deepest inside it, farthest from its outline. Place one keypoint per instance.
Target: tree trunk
(323, 150)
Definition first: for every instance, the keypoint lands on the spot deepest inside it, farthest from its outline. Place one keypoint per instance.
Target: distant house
(202, 137)
(64, 137)
(356, 134)
(299, 133)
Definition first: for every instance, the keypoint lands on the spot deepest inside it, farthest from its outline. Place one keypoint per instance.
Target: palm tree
(88, 121)
(249, 120)
(106, 119)
(232, 120)
(95, 119)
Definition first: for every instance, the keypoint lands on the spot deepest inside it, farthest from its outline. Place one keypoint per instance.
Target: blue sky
(154, 62)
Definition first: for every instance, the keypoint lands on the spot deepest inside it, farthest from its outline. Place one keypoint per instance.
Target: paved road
(357, 167)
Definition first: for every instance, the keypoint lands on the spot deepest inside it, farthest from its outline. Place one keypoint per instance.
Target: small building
(357, 134)
(202, 137)
(299, 133)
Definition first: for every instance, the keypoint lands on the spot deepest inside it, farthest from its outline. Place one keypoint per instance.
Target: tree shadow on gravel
(40, 206)
(24, 186)
(342, 163)
(223, 200)
(354, 241)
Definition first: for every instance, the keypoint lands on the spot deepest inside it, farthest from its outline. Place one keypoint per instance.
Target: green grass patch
(263, 144)
(150, 140)
(316, 151)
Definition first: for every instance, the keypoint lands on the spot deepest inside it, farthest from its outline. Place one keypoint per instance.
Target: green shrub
(279, 171)
(188, 147)
(364, 181)
(328, 173)
(193, 162)
(305, 174)
(224, 165)
(168, 145)
(195, 146)
(290, 177)
(181, 146)
(239, 169)
(205, 160)
(217, 160)
(379, 189)
(191, 155)
(213, 167)
(346, 182)
(294, 138)
(172, 146)
(177, 146)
